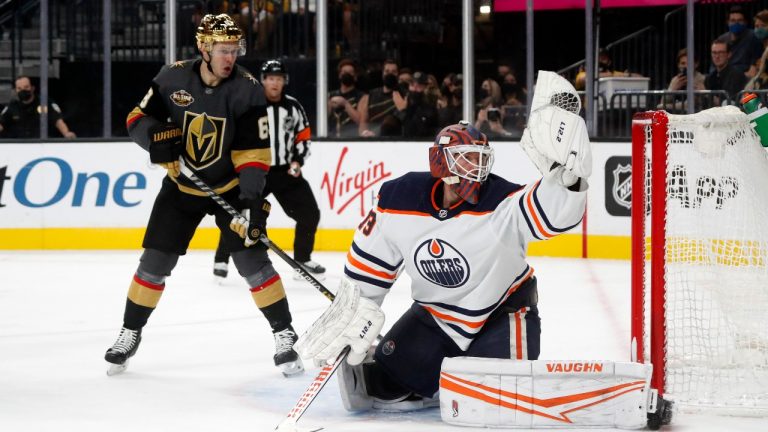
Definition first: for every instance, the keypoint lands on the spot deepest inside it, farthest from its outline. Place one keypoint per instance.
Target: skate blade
(116, 369)
(292, 369)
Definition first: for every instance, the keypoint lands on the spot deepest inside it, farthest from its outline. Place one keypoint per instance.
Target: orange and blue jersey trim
(364, 267)
(467, 322)
(536, 218)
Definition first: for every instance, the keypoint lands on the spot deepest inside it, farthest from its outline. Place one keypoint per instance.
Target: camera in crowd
(494, 115)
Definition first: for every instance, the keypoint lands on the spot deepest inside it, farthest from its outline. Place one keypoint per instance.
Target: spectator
(343, 114)
(604, 69)
(432, 92)
(490, 93)
(502, 70)
(512, 92)
(489, 121)
(419, 116)
(745, 48)
(760, 80)
(380, 105)
(404, 78)
(680, 80)
(450, 111)
(724, 77)
(21, 118)
(761, 27)
(263, 23)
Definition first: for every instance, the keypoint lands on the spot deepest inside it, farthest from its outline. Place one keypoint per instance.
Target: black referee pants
(297, 201)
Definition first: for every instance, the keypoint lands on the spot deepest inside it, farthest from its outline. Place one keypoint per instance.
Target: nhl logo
(440, 263)
(442, 214)
(622, 185)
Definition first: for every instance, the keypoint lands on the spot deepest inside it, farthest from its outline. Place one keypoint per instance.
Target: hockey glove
(253, 220)
(165, 146)
(351, 320)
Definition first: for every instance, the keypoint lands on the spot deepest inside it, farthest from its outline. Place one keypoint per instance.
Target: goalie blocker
(549, 394)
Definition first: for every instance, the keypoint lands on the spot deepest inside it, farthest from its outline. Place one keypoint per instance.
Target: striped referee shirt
(289, 131)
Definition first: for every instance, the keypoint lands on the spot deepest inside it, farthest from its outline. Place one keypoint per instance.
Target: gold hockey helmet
(219, 28)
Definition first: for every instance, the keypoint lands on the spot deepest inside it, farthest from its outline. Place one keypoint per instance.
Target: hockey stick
(289, 422)
(188, 173)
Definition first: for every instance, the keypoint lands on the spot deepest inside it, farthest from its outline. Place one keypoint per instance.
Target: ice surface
(205, 362)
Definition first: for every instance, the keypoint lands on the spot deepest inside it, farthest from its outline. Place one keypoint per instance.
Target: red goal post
(700, 258)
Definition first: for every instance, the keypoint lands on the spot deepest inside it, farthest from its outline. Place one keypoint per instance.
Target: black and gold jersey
(225, 128)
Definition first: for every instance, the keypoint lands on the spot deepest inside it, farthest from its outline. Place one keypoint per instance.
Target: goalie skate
(286, 358)
(124, 348)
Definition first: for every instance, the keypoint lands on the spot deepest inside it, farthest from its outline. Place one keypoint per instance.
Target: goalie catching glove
(557, 140)
(252, 222)
(351, 320)
(165, 147)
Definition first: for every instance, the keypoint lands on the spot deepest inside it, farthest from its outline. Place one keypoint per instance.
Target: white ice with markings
(205, 361)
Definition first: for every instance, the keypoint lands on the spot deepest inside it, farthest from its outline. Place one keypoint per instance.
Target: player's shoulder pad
(410, 191)
(495, 190)
(172, 72)
(246, 84)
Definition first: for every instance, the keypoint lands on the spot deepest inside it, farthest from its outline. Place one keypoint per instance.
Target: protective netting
(716, 263)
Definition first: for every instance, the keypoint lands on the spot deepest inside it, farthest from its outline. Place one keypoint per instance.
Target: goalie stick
(289, 423)
(188, 173)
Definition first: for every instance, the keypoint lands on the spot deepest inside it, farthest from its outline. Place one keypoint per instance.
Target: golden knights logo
(440, 263)
(203, 138)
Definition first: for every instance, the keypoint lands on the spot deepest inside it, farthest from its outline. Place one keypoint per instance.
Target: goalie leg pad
(544, 393)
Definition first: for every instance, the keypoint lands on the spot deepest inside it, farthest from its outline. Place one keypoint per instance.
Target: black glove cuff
(164, 143)
(164, 152)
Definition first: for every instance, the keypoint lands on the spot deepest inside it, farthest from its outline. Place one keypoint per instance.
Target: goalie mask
(461, 157)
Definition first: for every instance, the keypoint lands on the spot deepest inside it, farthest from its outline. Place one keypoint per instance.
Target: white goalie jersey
(465, 261)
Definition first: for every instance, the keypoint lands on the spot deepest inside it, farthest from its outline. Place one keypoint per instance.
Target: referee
(289, 135)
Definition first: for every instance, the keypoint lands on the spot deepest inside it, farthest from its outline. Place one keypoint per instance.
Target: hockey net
(700, 259)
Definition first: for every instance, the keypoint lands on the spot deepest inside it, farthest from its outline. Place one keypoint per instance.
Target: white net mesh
(552, 89)
(716, 263)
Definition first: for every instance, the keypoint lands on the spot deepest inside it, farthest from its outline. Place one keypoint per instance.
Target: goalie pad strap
(544, 393)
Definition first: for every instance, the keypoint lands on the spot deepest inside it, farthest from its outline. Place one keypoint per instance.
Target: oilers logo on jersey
(440, 263)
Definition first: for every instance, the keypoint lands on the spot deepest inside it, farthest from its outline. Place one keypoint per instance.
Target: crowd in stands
(387, 100)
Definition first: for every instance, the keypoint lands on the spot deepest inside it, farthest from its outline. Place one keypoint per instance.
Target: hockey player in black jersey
(290, 141)
(212, 113)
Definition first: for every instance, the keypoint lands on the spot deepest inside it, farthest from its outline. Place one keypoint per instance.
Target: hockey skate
(285, 357)
(311, 267)
(220, 270)
(124, 348)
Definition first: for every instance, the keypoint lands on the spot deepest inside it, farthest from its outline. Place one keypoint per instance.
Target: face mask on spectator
(736, 28)
(24, 95)
(390, 81)
(761, 33)
(415, 97)
(509, 89)
(458, 92)
(482, 94)
(444, 90)
(347, 79)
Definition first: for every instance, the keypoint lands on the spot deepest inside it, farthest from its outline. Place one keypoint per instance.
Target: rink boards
(98, 195)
